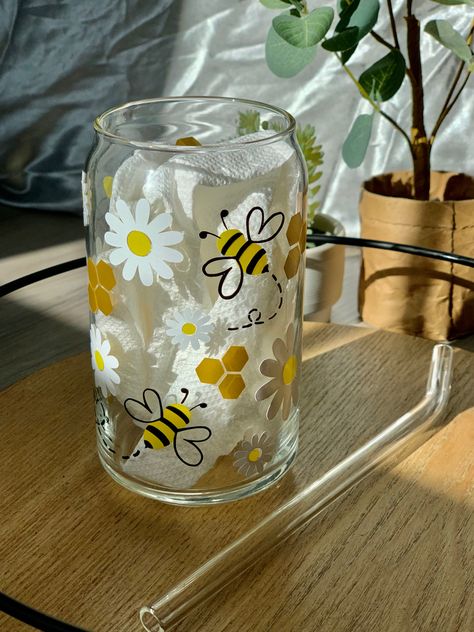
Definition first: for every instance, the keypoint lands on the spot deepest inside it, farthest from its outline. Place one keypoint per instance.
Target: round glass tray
(76, 545)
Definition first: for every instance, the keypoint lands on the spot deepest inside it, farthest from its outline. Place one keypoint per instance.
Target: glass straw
(399, 439)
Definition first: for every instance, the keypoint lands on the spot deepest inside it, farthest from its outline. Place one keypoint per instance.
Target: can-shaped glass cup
(196, 228)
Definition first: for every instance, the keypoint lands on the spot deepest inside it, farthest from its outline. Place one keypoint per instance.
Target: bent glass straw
(399, 439)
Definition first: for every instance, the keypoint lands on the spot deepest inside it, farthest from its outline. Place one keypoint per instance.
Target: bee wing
(230, 273)
(145, 411)
(260, 230)
(185, 444)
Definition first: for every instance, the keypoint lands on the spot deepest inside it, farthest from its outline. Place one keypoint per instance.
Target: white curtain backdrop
(218, 48)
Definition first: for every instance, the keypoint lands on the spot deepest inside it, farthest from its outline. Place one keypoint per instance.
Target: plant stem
(375, 105)
(448, 105)
(393, 24)
(383, 41)
(421, 148)
(449, 108)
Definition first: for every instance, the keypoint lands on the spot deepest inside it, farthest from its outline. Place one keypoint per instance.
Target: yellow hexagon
(231, 386)
(107, 183)
(188, 141)
(92, 273)
(292, 262)
(235, 358)
(104, 302)
(302, 243)
(92, 299)
(210, 370)
(293, 231)
(106, 275)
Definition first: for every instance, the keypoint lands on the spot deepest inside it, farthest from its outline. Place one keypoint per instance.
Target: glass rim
(158, 146)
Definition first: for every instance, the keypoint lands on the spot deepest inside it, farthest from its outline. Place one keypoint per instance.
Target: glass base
(198, 497)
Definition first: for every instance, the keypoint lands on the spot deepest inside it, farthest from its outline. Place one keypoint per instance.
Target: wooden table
(396, 554)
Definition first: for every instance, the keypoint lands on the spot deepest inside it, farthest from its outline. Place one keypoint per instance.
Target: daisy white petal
(118, 256)
(146, 274)
(114, 222)
(170, 238)
(124, 212)
(113, 240)
(129, 269)
(113, 363)
(142, 212)
(169, 254)
(163, 270)
(160, 222)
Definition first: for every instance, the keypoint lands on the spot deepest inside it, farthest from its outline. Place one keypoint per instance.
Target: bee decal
(168, 425)
(240, 252)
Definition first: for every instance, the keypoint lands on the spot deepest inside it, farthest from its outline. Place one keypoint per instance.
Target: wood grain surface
(396, 554)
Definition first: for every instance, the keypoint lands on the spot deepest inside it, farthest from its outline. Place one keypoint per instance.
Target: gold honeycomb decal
(296, 236)
(232, 386)
(235, 358)
(225, 373)
(101, 282)
(210, 371)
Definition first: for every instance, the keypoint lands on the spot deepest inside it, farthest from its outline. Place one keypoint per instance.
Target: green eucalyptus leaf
(385, 77)
(362, 14)
(470, 67)
(344, 5)
(283, 59)
(470, 3)
(299, 5)
(275, 4)
(356, 144)
(345, 40)
(446, 35)
(347, 54)
(306, 31)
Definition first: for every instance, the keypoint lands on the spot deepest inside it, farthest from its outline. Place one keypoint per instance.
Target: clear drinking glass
(195, 215)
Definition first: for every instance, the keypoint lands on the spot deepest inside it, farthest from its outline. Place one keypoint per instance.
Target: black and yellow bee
(241, 252)
(169, 425)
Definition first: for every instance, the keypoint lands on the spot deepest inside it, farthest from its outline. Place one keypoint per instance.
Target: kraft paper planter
(407, 293)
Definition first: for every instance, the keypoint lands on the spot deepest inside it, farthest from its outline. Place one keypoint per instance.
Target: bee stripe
(241, 256)
(235, 246)
(157, 439)
(257, 262)
(176, 417)
(228, 244)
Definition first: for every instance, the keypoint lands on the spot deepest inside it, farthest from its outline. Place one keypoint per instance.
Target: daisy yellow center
(99, 360)
(189, 329)
(254, 455)
(139, 243)
(289, 370)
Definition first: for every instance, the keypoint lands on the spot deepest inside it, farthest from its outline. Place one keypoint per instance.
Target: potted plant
(417, 206)
(324, 272)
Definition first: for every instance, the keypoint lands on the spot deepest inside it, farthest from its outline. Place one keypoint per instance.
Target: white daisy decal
(189, 327)
(103, 363)
(283, 372)
(86, 199)
(250, 457)
(140, 244)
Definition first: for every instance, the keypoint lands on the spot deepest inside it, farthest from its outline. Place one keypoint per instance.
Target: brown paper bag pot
(412, 294)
